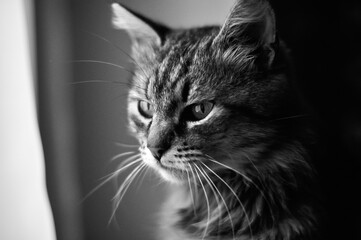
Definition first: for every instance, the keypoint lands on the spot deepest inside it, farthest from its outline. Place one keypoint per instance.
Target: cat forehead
(185, 49)
(176, 70)
(188, 67)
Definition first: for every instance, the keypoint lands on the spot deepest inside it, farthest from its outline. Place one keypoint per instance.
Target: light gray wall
(24, 204)
(101, 115)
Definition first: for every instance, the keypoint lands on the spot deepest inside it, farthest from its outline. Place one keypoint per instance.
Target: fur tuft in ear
(140, 29)
(252, 23)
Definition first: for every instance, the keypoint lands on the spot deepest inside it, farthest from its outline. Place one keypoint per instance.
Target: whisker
(121, 155)
(219, 206)
(103, 81)
(208, 207)
(120, 169)
(224, 202)
(127, 162)
(234, 170)
(129, 159)
(249, 180)
(235, 195)
(110, 43)
(107, 178)
(126, 145)
(121, 192)
(262, 193)
(107, 81)
(290, 117)
(191, 190)
(241, 174)
(118, 48)
(99, 81)
(142, 175)
(196, 197)
(101, 62)
(123, 189)
(255, 167)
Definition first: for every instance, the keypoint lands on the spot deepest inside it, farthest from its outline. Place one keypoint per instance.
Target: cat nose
(156, 152)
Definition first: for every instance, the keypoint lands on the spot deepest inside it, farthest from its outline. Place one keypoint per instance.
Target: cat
(215, 112)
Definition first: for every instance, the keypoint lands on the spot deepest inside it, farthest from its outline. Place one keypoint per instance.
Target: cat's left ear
(141, 30)
(251, 23)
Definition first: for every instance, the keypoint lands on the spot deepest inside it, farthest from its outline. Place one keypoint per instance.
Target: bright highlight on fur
(214, 111)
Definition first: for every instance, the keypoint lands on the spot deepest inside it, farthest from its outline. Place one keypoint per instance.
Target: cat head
(204, 98)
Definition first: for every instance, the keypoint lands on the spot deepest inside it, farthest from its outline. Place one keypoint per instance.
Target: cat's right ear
(250, 23)
(141, 30)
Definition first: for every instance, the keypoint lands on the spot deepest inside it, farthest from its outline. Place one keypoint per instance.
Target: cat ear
(251, 22)
(140, 29)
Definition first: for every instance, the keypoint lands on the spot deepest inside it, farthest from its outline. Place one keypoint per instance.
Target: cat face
(205, 96)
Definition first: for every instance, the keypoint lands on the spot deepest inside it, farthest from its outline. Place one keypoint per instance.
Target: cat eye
(198, 111)
(145, 109)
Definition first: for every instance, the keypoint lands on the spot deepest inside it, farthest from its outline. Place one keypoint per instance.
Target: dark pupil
(197, 111)
(146, 106)
(145, 109)
(200, 109)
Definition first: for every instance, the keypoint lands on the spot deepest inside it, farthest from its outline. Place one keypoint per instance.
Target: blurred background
(82, 114)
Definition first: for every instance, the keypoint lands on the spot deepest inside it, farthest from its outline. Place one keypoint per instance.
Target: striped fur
(242, 171)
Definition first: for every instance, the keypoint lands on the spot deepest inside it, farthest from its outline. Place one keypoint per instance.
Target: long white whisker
(248, 179)
(112, 44)
(235, 195)
(120, 155)
(126, 145)
(254, 165)
(262, 193)
(141, 167)
(142, 176)
(127, 160)
(230, 168)
(108, 177)
(118, 48)
(236, 171)
(98, 81)
(128, 179)
(208, 207)
(196, 197)
(123, 168)
(219, 206)
(107, 81)
(124, 187)
(101, 62)
(243, 175)
(224, 202)
(191, 190)
(290, 117)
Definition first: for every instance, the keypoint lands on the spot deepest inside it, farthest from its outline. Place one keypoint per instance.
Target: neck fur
(274, 209)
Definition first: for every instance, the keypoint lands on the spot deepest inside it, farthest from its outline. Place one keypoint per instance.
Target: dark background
(324, 38)
(86, 120)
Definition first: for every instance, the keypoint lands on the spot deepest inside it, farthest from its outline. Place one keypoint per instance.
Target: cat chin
(172, 173)
(170, 177)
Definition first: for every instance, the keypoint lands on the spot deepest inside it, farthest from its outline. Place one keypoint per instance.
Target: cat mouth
(171, 173)
(182, 165)
(175, 170)
(174, 167)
